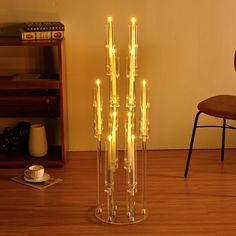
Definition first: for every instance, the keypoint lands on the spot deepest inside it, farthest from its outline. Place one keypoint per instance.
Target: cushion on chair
(223, 106)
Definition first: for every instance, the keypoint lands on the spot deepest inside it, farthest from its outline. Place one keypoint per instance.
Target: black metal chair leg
(223, 140)
(191, 144)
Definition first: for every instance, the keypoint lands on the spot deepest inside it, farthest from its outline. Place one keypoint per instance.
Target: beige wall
(186, 50)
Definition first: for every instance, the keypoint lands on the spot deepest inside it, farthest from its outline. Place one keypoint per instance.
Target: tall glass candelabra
(121, 200)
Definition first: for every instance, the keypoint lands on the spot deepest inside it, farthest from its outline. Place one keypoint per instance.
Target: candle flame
(144, 82)
(133, 20)
(109, 19)
(98, 82)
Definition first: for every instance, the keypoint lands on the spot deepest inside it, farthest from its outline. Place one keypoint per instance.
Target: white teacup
(34, 172)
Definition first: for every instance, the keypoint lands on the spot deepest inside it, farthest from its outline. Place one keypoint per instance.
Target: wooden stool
(221, 106)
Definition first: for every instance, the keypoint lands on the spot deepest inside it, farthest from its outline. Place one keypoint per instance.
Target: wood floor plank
(203, 204)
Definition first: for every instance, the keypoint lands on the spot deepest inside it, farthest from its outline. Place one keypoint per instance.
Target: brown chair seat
(223, 106)
(220, 106)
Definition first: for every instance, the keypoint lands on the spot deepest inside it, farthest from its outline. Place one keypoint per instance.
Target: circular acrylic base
(120, 215)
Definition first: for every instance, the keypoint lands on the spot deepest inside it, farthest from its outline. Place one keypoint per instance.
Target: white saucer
(44, 178)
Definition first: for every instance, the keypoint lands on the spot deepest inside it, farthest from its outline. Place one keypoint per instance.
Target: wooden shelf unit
(30, 84)
(37, 98)
(23, 159)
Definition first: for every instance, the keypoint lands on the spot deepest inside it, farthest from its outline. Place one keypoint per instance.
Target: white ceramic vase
(38, 146)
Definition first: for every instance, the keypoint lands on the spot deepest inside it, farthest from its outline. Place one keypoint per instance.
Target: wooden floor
(202, 204)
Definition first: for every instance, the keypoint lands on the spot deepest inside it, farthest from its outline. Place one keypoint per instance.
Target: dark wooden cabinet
(32, 86)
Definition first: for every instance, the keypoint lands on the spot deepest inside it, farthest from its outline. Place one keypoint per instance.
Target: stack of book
(42, 30)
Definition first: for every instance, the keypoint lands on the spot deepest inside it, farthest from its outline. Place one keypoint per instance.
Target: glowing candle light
(99, 110)
(129, 138)
(132, 59)
(113, 139)
(144, 109)
(110, 37)
(133, 36)
(111, 60)
(113, 76)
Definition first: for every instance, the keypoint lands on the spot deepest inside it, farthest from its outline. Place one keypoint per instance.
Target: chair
(221, 106)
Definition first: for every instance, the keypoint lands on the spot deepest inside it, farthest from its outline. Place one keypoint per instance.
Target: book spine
(57, 34)
(28, 35)
(41, 35)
